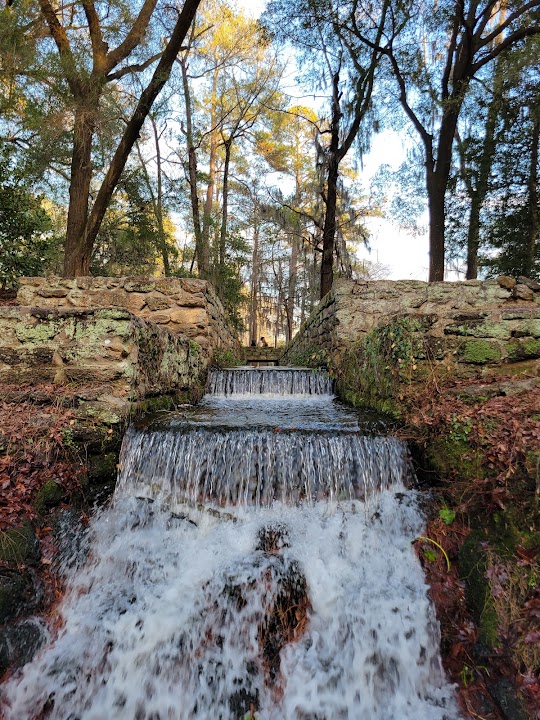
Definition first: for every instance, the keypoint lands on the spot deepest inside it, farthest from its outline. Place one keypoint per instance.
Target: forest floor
(480, 452)
(36, 448)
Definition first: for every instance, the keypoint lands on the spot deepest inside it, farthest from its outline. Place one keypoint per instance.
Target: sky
(406, 256)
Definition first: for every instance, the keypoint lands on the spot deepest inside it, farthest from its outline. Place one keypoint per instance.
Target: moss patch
(499, 330)
(480, 352)
(311, 357)
(473, 566)
(13, 589)
(524, 349)
(374, 371)
(102, 467)
(90, 335)
(225, 359)
(39, 333)
(50, 495)
(448, 456)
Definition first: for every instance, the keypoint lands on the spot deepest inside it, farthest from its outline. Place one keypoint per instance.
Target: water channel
(256, 562)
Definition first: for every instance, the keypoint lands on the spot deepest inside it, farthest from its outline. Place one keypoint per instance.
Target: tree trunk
(133, 128)
(291, 290)
(436, 183)
(253, 324)
(76, 261)
(486, 160)
(159, 204)
(329, 231)
(473, 235)
(223, 231)
(212, 160)
(315, 279)
(293, 262)
(304, 293)
(200, 255)
(436, 190)
(533, 203)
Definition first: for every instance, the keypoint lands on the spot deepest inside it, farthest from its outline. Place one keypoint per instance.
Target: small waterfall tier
(269, 381)
(258, 467)
(259, 437)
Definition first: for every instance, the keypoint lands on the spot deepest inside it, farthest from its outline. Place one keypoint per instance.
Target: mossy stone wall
(376, 334)
(186, 306)
(115, 358)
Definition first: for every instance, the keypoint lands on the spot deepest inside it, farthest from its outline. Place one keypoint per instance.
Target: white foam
(153, 626)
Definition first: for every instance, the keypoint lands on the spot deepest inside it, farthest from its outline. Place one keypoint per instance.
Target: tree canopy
(139, 136)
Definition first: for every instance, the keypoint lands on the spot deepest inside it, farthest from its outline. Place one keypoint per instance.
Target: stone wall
(182, 305)
(112, 357)
(474, 325)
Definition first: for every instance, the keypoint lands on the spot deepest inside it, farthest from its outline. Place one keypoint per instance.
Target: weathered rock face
(114, 357)
(472, 327)
(182, 305)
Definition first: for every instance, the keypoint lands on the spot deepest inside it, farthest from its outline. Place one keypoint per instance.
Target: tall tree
(244, 95)
(348, 69)
(86, 79)
(476, 180)
(202, 249)
(511, 233)
(492, 126)
(236, 74)
(434, 52)
(288, 144)
(156, 190)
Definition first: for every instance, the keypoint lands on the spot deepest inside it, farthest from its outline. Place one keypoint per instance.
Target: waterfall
(257, 467)
(268, 381)
(256, 562)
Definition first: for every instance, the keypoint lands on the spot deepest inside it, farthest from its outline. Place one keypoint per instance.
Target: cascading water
(256, 563)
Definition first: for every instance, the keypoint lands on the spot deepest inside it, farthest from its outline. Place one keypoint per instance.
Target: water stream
(256, 563)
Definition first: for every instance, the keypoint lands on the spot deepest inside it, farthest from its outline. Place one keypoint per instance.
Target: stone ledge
(473, 327)
(182, 305)
(126, 356)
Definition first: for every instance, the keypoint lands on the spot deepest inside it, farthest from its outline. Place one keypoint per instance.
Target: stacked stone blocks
(112, 358)
(182, 305)
(475, 325)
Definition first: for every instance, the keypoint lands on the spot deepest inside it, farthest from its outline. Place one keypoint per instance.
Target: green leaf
(447, 516)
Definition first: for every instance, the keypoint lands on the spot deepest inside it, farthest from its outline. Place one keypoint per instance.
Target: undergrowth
(310, 357)
(373, 371)
(223, 359)
(36, 447)
(484, 453)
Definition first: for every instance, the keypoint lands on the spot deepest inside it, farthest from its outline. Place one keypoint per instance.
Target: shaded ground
(52, 469)
(480, 448)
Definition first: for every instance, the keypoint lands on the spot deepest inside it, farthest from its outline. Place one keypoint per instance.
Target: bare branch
(297, 115)
(450, 58)
(133, 68)
(64, 49)
(99, 47)
(427, 138)
(509, 20)
(507, 42)
(484, 18)
(134, 36)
